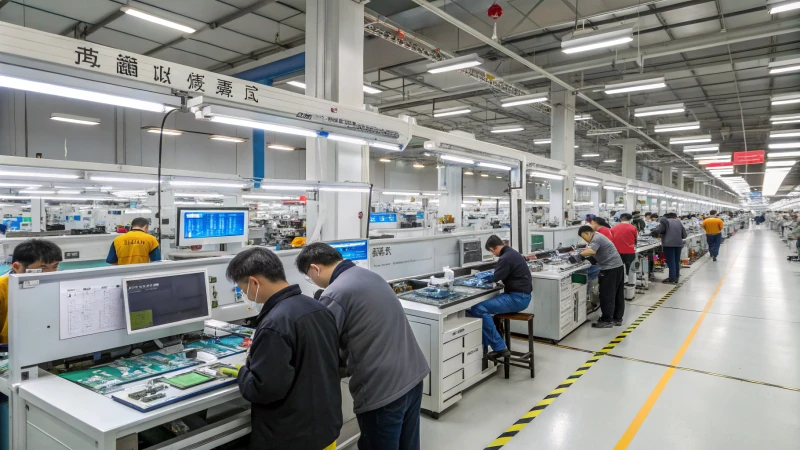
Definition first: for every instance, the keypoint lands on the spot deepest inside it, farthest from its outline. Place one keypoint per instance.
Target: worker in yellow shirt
(33, 254)
(135, 246)
(713, 226)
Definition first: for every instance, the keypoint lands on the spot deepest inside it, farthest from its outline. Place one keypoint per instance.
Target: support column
(645, 174)
(334, 71)
(37, 214)
(562, 148)
(520, 238)
(594, 197)
(666, 176)
(628, 167)
(450, 180)
(680, 183)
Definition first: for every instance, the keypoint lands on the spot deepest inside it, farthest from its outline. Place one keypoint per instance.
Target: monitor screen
(211, 226)
(166, 300)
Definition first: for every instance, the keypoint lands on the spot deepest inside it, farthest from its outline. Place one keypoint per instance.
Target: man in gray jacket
(672, 234)
(384, 362)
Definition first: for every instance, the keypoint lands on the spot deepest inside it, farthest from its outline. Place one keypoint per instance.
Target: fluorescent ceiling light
(399, 193)
(198, 195)
(484, 175)
(602, 132)
(645, 151)
(263, 126)
(385, 146)
(343, 189)
(507, 129)
(783, 134)
(188, 183)
(285, 148)
(498, 177)
(785, 99)
(772, 164)
(701, 148)
(298, 84)
(677, 127)
(634, 86)
(179, 203)
(68, 191)
(610, 161)
(586, 183)
(79, 94)
(469, 172)
(451, 111)
(542, 141)
(784, 118)
(462, 62)
(348, 139)
(80, 120)
(22, 185)
(151, 18)
(773, 178)
(39, 175)
(661, 110)
(35, 191)
(167, 131)
(523, 100)
(583, 117)
(217, 137)
(285, 187)
(124, 180)
(418, 165)
(611, 187)
(787, 65)
(371, 90)
(457, 159)
(547, 175)
(774, 155)
(720, 157)
(690, 139)
(267, 197)
(385, 160)
(494, 166)
(592, 180)
(785, 145)
(590, 155)
(581, 42)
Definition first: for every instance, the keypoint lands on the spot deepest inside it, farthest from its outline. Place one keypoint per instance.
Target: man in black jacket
(512, 269)
(291, 376)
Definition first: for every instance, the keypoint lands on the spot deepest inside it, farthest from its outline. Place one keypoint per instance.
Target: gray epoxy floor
(751, 331)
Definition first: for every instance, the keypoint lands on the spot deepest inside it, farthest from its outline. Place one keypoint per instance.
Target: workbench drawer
(452, 348)
(472, 369)
(451, 381)
(474, 338)
(452, 364)
(460, 327)
(473, 354)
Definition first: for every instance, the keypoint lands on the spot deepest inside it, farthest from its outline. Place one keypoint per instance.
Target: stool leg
(530, 346)
(507, 360)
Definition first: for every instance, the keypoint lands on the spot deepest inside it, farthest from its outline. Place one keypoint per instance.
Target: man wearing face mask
(291, 375)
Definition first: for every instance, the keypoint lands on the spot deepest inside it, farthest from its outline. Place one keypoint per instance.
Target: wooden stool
(517, 357)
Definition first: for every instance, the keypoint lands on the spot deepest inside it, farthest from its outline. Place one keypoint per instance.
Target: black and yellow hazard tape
(534, 412)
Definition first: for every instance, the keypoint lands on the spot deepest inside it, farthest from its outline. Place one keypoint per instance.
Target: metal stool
(517, 359)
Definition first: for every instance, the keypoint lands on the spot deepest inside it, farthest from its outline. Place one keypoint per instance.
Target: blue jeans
(394, 426)
(673, 255)
(503, 303)
(714, 241)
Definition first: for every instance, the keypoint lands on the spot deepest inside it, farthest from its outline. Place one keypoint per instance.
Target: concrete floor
(750, 334)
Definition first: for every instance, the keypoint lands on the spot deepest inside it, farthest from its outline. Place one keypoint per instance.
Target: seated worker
(512, 269)
(291, 374)
(135, 246)
(612, 276)
(32, 254)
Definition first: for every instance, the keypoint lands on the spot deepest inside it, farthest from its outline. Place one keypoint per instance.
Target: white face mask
(250, 303)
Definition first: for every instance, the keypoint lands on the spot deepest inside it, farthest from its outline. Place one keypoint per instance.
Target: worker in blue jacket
(513, 271)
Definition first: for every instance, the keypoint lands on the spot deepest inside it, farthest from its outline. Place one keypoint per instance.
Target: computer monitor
(201, 226)
(166, 300)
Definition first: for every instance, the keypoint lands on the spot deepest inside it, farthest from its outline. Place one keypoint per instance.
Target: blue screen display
(353, 250)
(382, 217)
(212, 224)
(12, 223)
(420, 215)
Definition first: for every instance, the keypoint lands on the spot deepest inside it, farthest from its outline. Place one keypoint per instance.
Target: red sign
(720, 164)
(751, 157)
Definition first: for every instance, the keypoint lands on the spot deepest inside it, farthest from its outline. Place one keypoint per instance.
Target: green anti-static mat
(188, 380)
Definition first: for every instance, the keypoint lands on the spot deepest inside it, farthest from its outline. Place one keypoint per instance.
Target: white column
(37, 214)
(334, 71)
(594, 196)
(450, 180)
(645, 174)
(680, 183)
(666, 176)
(562, 148)
(519, 220)
(628, 167)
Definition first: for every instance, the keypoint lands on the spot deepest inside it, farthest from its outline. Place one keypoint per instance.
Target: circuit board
(218, 349)
(110, 377)
(230, 328)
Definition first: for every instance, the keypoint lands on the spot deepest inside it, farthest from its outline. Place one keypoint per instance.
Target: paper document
(91, 309)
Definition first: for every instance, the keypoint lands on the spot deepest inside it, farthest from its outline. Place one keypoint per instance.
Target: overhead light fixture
(451, 111)
(590, 155)
(773, 178)
(611, 187)
(183, 203)
(21, 185)
(371, 90)
(155, 19)
(784, 145)
(39, 175)
(546, 175)
(635, 86)
(385, 146)
(124, 180)
(784, 119)
(507, 129)
(787, 65)
(701, 148)
(484, 175)
(347, 139)
(468, 172)
(774, 155)
(188, 183)
(586, 183)
(80, 94)
(385, 160)
(462, 62)
(677, 127)
(80, 120)
(690, 139)
(523, 100)
(662, 110)
(285, 148)
(217, 137)
(457, 159)
(399, 193)
(785, 99)
(783, 134)
(772, 164)
(542, 141)
(610, 161)
(35, 191)
(68, 192)
(493, 166)
(198, 195)
(263, 126)
(498, 177)
(297, 84)
(583, 117)
(285, 187)
(266, 197)
(602, 132)
(646, 151)
(418, 165)
(714, 157)
(581, 42)
(166, 131)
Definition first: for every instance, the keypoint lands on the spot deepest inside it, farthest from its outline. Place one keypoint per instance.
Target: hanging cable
(160, 153)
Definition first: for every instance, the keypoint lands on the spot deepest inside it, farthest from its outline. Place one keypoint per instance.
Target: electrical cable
(160, 153)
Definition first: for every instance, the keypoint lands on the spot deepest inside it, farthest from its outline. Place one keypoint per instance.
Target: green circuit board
(110, 377)
(219, 350)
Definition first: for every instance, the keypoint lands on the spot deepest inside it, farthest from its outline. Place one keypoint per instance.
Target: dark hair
(713, 212)
(255, 261)
(671, 215)
(493, 241)
(318, 253)
(648, 214)
(654, 216)
(33, 250)
(636, 212)
(626, 217)
(585, 229)
(140, 222)
(602, 222)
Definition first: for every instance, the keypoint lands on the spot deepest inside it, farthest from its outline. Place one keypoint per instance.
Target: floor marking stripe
(514, 429)
(644, 411)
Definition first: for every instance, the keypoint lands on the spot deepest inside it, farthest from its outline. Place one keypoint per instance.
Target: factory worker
(624, 237)
(513, 271)
(386, 367)
(135, 246)
(713, 226)
(291, 374)
(672, 233)
(601, 226)
(33, 254)
(612, 276)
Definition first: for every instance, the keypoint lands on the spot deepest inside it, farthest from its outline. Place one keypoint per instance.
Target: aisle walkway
(732, 330)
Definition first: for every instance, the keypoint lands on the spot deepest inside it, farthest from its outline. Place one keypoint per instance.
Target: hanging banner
(751, 157)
